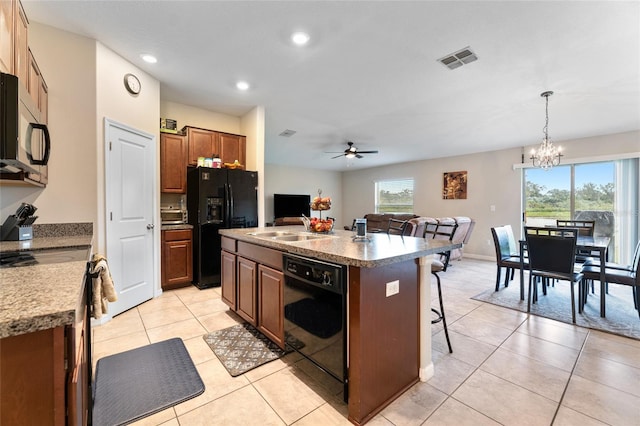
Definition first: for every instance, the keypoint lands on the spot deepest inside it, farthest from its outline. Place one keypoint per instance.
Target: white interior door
(130, 188)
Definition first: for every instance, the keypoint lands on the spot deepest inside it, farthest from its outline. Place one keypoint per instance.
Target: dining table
(584, 243)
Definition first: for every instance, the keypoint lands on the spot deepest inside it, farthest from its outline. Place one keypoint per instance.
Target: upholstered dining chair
(552, 255)
(507, 253)
(440, 264)
(614, 274)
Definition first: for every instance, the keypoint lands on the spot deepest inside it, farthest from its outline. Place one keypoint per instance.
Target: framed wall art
(454, 185)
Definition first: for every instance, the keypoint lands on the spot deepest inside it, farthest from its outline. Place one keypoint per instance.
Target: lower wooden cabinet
(271, 304)
(228, 279)
(44, 374)
(246, 290)
(177, 258)
(253, 286)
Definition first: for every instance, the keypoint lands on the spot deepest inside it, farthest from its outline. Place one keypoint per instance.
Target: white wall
(141, 112)
(252, 126)
(187, 115)
(492, 181)
(291, 180)
(67, 62)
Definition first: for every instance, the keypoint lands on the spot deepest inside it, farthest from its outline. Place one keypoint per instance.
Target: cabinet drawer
(264, 255)
(177, 235)
(228, 244)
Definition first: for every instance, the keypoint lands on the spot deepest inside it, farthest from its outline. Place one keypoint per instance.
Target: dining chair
(552, 255)
(507, 253)
(614, 274)
(397, 227)
(586, 228)
(441, 232)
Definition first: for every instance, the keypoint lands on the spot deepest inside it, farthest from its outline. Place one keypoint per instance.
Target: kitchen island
(389, 331)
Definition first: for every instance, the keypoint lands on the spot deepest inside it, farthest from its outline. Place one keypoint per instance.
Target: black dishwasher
(315, 300)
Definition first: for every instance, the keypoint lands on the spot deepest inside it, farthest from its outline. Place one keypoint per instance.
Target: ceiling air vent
(459, 58)
(288, 133)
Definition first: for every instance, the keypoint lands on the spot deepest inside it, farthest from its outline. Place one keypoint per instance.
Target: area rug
(242, 348)
(138, 383)
(621, 317)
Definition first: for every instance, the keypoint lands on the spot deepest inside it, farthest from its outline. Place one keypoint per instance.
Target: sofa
(379, 222)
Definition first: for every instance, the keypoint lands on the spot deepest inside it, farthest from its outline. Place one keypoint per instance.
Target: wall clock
(132, 84)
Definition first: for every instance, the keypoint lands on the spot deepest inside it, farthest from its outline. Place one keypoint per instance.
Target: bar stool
(435, 231)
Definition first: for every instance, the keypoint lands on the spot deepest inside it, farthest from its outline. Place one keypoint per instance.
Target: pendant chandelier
(547, 155)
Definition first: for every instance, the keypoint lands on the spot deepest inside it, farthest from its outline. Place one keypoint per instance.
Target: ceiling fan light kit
(352, 152)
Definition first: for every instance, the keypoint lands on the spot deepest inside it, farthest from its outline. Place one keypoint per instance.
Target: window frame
(400, 183)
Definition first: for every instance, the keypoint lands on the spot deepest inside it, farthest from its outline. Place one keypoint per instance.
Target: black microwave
(25, 144)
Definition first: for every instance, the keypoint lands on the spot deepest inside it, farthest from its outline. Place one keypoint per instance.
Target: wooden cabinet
(246, 290)
(202, 143)
(232, 148)
(7, 13)
(14, 54)
(207, 143)
(177, 258)
(271, 304)
(45, 374)
(37, 88)
(228, 279)
(253, 286)
(173, 163)
(21, 45)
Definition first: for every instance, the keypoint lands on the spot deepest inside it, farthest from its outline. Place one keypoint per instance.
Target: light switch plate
(393, 287)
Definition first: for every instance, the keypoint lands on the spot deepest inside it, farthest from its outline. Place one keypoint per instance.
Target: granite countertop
(340, 247)
(41, 296)
(175, 227)
(44, 243)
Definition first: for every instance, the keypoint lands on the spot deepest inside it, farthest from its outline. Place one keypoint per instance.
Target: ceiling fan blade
(367, 152)
(338, 156)
(358, 156)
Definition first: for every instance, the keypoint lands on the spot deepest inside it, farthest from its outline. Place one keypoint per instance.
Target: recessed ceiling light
(149, 58)
(300, 38)
(242, 85)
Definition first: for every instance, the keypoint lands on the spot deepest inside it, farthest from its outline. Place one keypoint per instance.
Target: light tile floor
(506, 368)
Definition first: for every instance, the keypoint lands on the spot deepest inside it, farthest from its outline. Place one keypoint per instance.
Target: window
(394, 196)
(606, 192)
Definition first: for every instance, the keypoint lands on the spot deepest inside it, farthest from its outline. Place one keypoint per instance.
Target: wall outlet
(393, 287)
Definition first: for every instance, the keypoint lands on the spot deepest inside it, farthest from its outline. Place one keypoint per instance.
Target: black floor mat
(143, 381)
(320, 319)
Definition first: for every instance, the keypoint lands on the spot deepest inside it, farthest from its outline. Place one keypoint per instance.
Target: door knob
(150, 226)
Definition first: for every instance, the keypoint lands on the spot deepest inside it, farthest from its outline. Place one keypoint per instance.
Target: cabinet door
(177, 261)
(228, 279)
(232, 148)
(33, 85)
(271, 304)
(7, 8)
(21, 46)
(44, 102)
(202, 143)
(173, 164)
(246, 295)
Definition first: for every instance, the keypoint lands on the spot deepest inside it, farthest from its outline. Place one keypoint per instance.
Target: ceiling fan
(352, 151)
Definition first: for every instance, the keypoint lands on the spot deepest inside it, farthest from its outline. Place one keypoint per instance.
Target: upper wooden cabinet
(202, 143)
(208, 143)
(232, 148)
(21, 45)
(7, 13)
(173, 163)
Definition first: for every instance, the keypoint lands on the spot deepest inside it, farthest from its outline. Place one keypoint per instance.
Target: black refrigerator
(217, 199)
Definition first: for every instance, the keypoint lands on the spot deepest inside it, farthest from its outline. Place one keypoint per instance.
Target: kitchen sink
(288, 236)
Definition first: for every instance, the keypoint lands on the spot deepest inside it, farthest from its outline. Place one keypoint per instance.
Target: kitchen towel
(102, 287)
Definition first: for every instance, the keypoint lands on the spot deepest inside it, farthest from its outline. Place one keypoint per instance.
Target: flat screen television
(291, 205)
